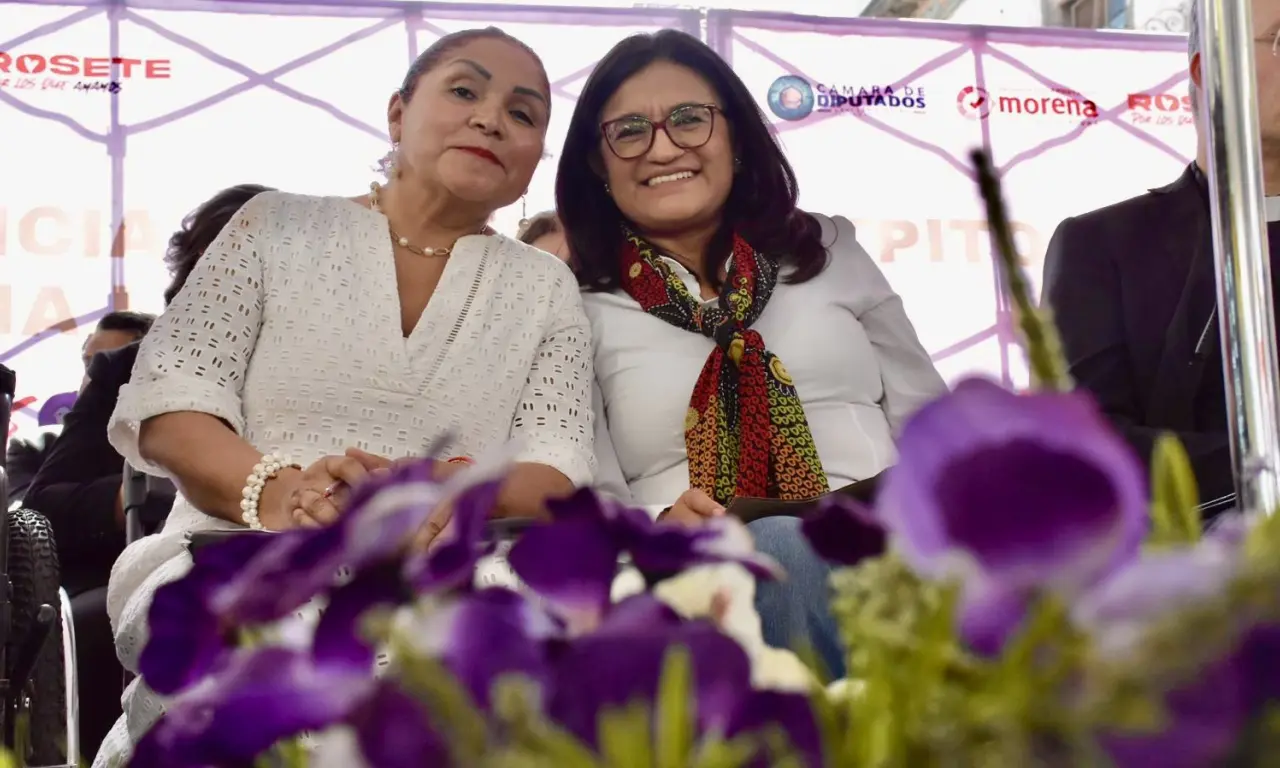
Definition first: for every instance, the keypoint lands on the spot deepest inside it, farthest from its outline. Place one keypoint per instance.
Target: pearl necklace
(403, 242)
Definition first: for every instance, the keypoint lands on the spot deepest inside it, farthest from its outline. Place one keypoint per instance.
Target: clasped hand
(317, 495)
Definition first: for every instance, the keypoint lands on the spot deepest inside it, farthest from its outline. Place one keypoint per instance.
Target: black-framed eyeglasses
(688, 127)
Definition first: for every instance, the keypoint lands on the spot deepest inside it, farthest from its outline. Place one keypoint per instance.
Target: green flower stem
(1175, 514)
(1045, 359)
(675, 724)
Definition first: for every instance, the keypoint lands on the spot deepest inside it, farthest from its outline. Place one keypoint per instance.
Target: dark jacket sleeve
(22, 461)
(77, 485)
(1082, 289)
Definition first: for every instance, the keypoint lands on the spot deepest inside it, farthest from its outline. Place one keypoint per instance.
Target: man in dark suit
(26, 456)
(1133, 292)
(79, 485)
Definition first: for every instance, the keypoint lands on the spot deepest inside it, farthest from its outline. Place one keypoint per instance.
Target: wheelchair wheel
(34, 573)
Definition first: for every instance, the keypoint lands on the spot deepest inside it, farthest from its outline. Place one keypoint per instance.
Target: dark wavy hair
(761, 205)
(430, 58)
(137, 323)
(199, 229)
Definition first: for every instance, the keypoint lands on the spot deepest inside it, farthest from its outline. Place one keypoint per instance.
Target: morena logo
(70, 65)
(977, 103)
(973, 102)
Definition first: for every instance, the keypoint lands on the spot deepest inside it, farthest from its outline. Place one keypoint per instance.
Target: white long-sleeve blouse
(857, 363)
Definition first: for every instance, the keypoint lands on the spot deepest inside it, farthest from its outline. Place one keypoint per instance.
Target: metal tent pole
(1246, 314)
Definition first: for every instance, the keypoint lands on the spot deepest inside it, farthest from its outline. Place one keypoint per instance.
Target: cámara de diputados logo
(791, 97)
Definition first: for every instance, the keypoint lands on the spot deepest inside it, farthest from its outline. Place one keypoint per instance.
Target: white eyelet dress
(289, 331)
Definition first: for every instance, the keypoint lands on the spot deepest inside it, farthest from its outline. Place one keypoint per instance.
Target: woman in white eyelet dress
(298, 334)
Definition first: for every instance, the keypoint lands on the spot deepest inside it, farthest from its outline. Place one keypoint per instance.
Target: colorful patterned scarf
(745, 432)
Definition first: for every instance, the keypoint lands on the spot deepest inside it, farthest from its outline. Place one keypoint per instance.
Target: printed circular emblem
(736, 348)
(791, 97)
(690, 419)
(780, 372)
(55, 408)
(973, 102)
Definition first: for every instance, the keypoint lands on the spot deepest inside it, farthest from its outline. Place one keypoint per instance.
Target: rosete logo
(35, 71)
(1169, 109)
(69, 65)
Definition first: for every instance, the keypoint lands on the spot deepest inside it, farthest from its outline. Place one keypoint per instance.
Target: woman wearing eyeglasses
(743, 348)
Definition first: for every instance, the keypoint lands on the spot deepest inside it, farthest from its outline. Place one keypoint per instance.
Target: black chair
(147, 501)
(37, 655)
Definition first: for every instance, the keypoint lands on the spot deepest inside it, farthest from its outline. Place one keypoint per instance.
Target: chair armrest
(201, 539)
(141, 518)
(499, 530)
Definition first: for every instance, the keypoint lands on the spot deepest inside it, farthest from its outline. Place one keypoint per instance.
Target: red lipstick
(486, 154)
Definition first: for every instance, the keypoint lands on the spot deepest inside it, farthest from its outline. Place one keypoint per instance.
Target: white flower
(725, 593)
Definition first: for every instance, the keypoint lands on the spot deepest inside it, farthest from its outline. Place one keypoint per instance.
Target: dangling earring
(607, 191)
(388, 166)
(524, 214)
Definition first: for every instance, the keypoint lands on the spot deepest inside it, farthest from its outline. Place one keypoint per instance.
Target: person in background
(115, 330)
(342, 342)
(79, 486)
(544, 232)
(24, 457)
(1132, 290)
(701, 279)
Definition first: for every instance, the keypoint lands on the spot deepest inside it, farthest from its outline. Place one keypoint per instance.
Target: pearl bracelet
(266, 469)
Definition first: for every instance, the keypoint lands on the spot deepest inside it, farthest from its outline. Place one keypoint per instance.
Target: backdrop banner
(121, 116)
(879, 117)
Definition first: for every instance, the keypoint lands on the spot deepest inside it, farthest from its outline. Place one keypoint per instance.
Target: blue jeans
(797, 611)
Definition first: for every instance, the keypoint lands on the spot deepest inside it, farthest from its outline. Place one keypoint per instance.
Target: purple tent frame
(723, 32)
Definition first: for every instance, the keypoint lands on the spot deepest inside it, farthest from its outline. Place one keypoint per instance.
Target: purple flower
(296, 566)
(186, 638)
(1014, 494)
(452, 565)
(1118, 610)
(616, 666)
(262, 696)
(1208, 711)
(572, 561)
(791, 712)
(255, 580)
(844, 531)
(393, 731)
(1206, 718)
(486, 634)
(338, 640)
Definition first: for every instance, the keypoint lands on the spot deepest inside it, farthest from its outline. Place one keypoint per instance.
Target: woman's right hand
(312, 497)
(693, 508)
